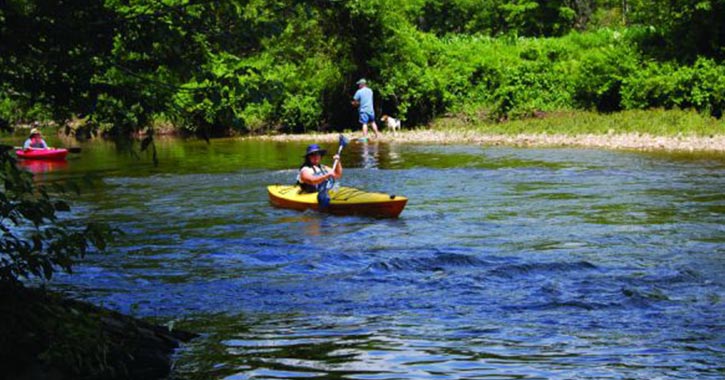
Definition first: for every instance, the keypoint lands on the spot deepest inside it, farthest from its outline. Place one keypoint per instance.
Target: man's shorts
(367, 117)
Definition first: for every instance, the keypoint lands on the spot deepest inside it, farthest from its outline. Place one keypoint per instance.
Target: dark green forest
(211, 67)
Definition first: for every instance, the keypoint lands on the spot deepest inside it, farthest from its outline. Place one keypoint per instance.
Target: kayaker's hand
(336, 157)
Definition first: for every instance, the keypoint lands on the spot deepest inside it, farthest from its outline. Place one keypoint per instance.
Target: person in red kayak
(314, 176)
(35, 141)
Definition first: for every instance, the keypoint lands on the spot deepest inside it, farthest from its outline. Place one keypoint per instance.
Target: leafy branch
(36, 241)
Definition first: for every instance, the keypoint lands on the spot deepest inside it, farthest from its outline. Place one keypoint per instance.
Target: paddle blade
(323, 199)
(323, 196)
(343, 141)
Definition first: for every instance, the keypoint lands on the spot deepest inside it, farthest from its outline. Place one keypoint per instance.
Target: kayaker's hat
(361, 81)
(35, 131)
(314, 148)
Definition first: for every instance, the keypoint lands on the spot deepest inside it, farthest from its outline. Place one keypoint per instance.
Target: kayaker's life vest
(35, 143)
(306, 187)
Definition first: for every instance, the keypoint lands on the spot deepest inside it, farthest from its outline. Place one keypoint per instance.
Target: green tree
(50, 50)
(254, 66)
(681, 29)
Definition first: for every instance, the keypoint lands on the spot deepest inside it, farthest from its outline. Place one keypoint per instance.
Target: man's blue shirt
(365, 97)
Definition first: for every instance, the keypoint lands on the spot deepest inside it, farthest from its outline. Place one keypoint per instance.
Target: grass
(656, 122)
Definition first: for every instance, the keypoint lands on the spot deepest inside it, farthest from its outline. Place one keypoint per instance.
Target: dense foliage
(249, 66)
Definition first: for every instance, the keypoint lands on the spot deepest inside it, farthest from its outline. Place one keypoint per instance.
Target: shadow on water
(506, 263)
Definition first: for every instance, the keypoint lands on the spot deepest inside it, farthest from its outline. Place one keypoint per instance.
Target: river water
(506, 263)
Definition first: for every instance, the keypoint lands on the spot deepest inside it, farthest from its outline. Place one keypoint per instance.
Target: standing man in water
(363, 99)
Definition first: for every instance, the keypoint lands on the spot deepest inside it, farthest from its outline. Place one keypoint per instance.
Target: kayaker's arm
(308, 176)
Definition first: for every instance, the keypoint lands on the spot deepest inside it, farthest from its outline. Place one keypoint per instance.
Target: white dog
(391, 123)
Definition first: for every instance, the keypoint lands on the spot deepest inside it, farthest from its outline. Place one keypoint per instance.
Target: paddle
(323, 197)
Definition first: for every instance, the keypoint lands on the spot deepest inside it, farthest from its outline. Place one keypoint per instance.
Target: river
(507, 263)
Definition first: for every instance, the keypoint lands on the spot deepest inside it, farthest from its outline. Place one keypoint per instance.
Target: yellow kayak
(343, 201)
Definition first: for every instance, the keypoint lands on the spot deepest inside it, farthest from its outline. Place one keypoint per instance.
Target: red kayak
(43, 154)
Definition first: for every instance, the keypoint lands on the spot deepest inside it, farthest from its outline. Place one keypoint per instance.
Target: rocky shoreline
(628, 141)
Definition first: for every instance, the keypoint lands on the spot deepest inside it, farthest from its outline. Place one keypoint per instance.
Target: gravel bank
(631, 141)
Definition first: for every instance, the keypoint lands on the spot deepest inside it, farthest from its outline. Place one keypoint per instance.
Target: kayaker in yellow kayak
(35, 141)
(313, 175)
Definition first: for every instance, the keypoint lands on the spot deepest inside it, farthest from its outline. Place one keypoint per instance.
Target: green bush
(700, 86)
(516, 77)
(16, 110)
(600, 75)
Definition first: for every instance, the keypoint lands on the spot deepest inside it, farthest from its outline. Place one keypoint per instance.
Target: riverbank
(643, 130)
(44, 335)
(652, 130)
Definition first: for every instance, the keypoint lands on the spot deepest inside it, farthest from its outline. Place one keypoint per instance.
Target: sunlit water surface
(506, 263)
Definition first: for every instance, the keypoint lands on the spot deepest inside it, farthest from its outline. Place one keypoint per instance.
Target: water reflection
(370, 154)
(310, 221)
(394, 156)
(43, 166)
(374, 154)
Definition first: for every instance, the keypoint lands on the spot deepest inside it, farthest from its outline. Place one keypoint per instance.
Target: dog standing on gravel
(391, 123)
